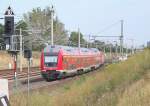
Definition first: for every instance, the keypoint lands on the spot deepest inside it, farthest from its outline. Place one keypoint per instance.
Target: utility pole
(52, 15)
(21, 50)
(87, 45)
(116, 51)
(126, 49)
(104, 49)
(79, 38)
(28, 101)
(110, 52)
(121, 38)
(89, 41)
(15, 71)
(132, 46)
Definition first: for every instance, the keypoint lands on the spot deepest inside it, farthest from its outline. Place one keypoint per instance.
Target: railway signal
(8, 38)
(12, 42)
(9, 27)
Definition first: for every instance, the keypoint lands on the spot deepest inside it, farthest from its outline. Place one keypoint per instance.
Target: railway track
(36, 82)
(34, 72)
(40, 83)
(9, 74)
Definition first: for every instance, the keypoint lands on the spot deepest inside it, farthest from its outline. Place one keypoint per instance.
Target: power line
(108, 27)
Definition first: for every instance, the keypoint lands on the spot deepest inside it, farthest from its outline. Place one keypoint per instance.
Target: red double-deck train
(60, 61)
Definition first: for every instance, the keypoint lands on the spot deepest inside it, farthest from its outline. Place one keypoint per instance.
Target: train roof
(69, 49)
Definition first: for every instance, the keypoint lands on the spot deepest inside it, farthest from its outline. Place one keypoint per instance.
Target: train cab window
(50, 61)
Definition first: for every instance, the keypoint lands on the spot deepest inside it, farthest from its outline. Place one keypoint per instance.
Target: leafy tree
(1, 35)
(39, 21)
(74, 39)
(1, 30)
(27, 39)
(23, 25)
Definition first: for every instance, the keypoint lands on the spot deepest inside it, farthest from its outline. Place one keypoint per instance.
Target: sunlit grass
(136, 95)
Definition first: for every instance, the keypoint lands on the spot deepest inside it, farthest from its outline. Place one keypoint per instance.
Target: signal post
(8, 39)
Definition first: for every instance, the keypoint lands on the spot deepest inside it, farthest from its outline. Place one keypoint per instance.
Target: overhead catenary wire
(108, 27)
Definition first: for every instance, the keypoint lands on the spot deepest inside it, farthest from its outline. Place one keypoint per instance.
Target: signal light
(27, 53)
(9, 27)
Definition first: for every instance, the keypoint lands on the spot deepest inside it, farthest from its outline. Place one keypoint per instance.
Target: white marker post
(4, 87)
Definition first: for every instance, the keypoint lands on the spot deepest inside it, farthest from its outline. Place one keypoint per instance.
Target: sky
(94, 17)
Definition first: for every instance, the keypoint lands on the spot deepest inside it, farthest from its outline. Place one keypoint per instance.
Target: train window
(51, 61)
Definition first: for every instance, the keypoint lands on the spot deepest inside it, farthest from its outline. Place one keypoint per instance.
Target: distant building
(148, 44)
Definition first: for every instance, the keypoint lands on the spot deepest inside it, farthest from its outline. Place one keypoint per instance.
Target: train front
(51, 60)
